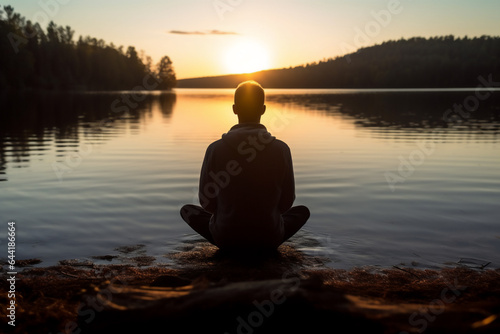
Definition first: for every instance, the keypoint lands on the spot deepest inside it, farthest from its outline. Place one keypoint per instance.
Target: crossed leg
(198, 219)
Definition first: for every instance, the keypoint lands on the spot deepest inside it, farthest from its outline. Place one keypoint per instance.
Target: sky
(216, 37)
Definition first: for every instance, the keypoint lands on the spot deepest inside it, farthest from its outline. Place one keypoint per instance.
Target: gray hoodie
(247, 182)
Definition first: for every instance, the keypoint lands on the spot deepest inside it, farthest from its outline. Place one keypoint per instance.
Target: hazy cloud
(208, 32)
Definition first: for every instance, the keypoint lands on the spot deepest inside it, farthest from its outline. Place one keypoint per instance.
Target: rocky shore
(287, 292)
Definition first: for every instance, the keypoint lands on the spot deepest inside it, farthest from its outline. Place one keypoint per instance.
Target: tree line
(444, 61)
(51, 59)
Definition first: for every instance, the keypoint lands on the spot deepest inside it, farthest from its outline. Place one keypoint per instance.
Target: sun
(246, 57)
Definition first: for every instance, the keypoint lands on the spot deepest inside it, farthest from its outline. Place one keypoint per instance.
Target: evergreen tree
(31, 58)
(166, 73)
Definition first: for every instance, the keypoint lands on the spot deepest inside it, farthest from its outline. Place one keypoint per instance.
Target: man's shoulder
(281, 144)
(214, 144)
(274, 144)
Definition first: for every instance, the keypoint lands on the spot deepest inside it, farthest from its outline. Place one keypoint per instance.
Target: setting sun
(246, 57)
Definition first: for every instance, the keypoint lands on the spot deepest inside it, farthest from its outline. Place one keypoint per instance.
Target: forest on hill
(34, 58)
(434, 62)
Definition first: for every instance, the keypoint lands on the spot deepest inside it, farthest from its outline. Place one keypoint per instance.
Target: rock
(285, 305)
(105, 257)
(320, 301)
(170, 281)
(76, 263)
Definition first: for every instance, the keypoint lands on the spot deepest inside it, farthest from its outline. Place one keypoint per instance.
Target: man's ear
(235, 110)
(263, 109)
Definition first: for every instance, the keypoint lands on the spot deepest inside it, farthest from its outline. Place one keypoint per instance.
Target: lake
(392, 177)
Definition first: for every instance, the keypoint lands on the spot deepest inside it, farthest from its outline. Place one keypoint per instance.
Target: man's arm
(208, 199)
(288, 186)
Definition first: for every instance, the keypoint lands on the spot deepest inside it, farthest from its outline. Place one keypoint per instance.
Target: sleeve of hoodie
(208, 202)
(288, 185)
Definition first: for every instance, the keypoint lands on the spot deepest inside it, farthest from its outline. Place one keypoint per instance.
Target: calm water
(391, 177)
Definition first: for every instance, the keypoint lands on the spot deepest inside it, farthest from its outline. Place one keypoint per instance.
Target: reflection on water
(407, 111)
(31, 124)
(86, 174)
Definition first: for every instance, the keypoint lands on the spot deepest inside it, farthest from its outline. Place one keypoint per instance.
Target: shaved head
(249, 101)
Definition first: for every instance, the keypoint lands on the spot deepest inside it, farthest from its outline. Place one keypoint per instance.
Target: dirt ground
(211, 292)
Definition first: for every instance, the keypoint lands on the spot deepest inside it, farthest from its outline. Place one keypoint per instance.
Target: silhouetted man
(247, 184)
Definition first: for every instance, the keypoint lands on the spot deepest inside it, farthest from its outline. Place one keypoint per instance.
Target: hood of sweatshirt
(248, 135)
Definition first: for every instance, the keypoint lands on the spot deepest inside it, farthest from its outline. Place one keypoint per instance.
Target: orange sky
(213, 37)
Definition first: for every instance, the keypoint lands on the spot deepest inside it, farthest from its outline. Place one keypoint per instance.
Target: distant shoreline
(422, 89)
(406, 63)
(10, 93)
